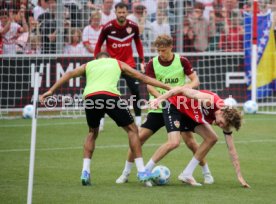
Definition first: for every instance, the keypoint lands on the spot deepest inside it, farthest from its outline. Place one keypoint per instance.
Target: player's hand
(44, 96)
(243, 182)
(154, 104)
(142, 67)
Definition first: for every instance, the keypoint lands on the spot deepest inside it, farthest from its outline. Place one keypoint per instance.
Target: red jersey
(197, 112)
(119, 41)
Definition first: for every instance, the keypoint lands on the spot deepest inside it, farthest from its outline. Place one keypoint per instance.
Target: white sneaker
(208, 178)
(148, 184)
(188, 180)
(122, 179)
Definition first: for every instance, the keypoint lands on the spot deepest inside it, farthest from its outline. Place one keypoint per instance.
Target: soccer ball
(164, 175)
(250, 107)
(28, 111)
(230, 102)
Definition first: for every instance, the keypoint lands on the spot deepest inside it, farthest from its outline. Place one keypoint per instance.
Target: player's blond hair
(163, 41)
(233, 117)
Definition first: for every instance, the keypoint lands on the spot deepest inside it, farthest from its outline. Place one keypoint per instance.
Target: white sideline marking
(121, 146)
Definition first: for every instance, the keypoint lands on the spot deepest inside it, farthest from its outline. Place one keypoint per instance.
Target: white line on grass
(121, 146)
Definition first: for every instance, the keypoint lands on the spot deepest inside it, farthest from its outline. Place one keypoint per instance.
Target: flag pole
(254, 60)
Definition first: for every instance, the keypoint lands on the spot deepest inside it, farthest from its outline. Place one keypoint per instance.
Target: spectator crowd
(46, 27)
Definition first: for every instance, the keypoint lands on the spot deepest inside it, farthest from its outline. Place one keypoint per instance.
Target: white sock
(140, 164)
(205, 169)
(128, 166)
(86, 165)
(150, 165)
(102, 123)
(138, 120)
(189, 170)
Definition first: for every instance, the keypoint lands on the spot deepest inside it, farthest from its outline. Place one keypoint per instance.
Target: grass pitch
(58, 165)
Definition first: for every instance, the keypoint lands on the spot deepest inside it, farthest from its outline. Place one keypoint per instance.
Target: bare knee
(131, 129)
(212, 139)
(93, 133)
(173, 145)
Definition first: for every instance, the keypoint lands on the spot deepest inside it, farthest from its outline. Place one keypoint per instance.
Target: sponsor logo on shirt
(119, 45)
(196, 114)
(171, 81)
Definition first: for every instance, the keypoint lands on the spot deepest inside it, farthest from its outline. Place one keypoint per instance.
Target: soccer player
(118, 34)
(102, 96)
(172, 69)
(199, 110)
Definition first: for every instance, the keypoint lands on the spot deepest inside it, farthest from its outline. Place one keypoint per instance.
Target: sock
(140, 164)
(128, 166)
(189, 170)
(205, 169)
(150, 165)
(86, 165)
(102, 123)
(138, 120)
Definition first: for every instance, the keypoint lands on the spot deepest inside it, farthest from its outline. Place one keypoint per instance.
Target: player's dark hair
(120, 5)
(163, 41)
(233, 117)
(102, 55)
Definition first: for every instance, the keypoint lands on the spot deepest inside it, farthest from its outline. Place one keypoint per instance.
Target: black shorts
(154, 122)
(188, 124)
(96, 106)
(177, 121)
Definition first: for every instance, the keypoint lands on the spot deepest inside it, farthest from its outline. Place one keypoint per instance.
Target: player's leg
(209, 139)
(144, 134)
(192, 144)
(123, 118)
(153, 123)
(93, 117)
(133, 86)
(172, 122)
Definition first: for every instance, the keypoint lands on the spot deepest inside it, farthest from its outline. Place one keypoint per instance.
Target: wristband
(227, 133)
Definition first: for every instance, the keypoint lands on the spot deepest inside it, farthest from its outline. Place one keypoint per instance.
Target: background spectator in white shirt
(10, 30)
(91, 32)
(160, 25)
(139, 16)
(75, 46)
(42, 7)
(107, 12)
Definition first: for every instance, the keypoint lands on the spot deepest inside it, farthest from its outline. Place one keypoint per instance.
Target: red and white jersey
(10, 37)
(119, 41)
(90, 36)
(77, 49)
(198, 112)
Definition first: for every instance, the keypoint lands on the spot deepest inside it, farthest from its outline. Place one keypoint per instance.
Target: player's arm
(188, 92)
(139, 48)
(234, 158)
(153, 91)
(100, 42)
(194, 81)
(79, 71)
(126, 69)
